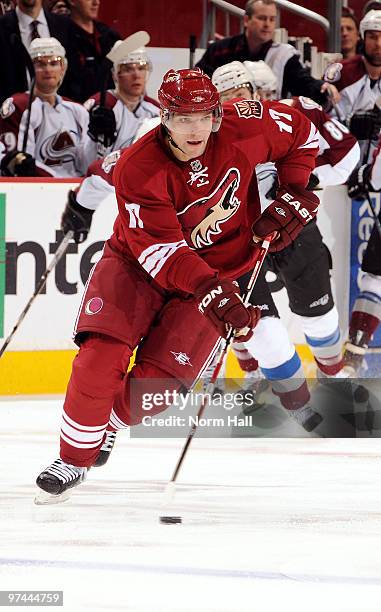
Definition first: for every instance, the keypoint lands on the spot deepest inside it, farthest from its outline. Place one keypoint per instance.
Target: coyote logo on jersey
(214, 210)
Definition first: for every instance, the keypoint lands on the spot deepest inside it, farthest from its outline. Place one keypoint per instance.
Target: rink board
(39, 356)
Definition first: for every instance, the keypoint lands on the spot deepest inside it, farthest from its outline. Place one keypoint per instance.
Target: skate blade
(45, 499)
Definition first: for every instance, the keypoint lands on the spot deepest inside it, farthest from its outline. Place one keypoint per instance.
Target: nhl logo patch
(333, 72)
(248, 109)
(94, 306)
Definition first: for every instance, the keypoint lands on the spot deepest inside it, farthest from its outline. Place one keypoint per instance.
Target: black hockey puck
(171, 520)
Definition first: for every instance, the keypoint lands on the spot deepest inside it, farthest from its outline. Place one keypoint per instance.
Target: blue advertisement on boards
(361, 228)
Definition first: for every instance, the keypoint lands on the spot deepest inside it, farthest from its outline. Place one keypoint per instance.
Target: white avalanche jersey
(358, 92)
(339, 152)
(277, 57)
(127, 122)
(56, 134)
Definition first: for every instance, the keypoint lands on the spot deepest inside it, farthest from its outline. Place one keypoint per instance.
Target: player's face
(265, 94)
(49, 73)
(373, 47)
(349, 34)
(191, 133)
(132, 79)
(240, 92)
(261, 25)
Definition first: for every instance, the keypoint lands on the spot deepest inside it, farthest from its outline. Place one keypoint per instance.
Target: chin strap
(170, 139)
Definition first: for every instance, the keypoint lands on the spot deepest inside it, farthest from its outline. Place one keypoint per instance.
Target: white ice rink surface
(268, 525)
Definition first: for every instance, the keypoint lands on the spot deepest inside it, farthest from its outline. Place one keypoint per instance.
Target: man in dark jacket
(91, 41)
(256, 43)
(17, 29)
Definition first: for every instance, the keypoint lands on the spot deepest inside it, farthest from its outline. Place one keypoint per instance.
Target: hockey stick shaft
(226, 343)
(57, 256)
(374, 213)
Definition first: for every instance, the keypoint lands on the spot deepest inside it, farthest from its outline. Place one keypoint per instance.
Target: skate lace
(64, 471)
(109, 441)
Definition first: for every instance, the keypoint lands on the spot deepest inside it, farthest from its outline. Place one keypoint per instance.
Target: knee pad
(270, 344)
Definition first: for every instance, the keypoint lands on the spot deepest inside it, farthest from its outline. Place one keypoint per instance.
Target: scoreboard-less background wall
(171, 22)
(39, 357)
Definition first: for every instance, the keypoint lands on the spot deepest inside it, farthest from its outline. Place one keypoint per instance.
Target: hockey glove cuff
(16, 163)
(292, 209)
(359, 182)
(220, 301)
(76, 218)
(102, 125)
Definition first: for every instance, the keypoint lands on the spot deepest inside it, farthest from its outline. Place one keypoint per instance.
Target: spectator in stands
(58, 7)
(57, 127)
(359, 81)
(256, 43)
(350, 37)
(91, 41)
(115, 120)
(17, 29)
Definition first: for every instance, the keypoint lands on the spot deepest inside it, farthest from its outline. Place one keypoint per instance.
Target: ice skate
(106, 448)
(306, 417)
(355, 350)
(57, 481)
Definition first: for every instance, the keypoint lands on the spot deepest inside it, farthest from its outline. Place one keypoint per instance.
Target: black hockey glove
(16, 163)
(76, 218)
(366, 125)
(102, 125)
(359, 182)
(313, 182)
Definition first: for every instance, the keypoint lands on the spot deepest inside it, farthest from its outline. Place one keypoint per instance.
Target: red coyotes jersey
(339, 151)
(183, 221)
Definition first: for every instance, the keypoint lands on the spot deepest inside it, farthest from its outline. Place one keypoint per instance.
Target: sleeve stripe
(312, 141)
(155, 256)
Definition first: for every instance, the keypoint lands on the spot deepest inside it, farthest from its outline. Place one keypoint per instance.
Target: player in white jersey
(358, 80)
(57, 128)
(304, 266)
(116, 115)
(366, 313)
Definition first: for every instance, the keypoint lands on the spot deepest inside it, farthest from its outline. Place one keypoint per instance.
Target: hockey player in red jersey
(188, 209)
(304, 267)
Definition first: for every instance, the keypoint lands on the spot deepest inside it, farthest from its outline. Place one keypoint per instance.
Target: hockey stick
(57, 256)
(117, 53)
(170, 487)
(192, 49)
(30, 68)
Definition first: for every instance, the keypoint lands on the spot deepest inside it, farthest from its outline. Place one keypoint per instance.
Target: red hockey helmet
(189, 91)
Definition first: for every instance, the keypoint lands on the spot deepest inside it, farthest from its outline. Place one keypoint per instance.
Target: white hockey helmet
(139, 56)
(232, 76)
(371, 21)
(45, 47)
(263, 76)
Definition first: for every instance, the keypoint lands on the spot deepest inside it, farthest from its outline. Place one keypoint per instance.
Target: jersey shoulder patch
(309, 104)
(333, 72)
(7, 108)
(110, 160)
(248, 109)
